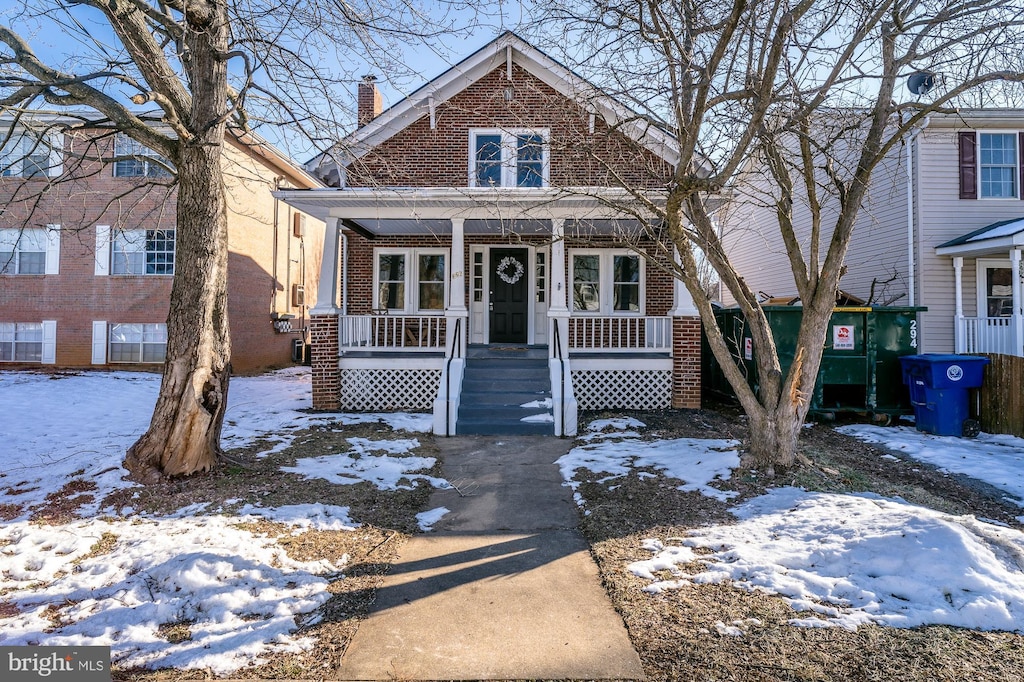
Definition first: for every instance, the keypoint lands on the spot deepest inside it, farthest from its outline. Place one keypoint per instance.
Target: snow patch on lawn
(360, 464)
(854, 560)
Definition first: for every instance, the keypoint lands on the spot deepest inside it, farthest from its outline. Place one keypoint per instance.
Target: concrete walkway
(504, 588)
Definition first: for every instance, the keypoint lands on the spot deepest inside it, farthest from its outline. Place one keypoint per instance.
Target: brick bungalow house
(87, 250)
(475, 260)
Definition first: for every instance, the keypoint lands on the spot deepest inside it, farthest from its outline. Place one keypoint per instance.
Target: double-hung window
(508, 158)
(143, 252)
(138, 342)
(410, 280)
(21, 342)
(23, 252)
(998, 159)
(607, 282)
(28, 154)
(133, 160)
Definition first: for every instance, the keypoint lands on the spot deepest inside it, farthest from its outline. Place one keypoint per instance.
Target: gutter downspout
(911, 203)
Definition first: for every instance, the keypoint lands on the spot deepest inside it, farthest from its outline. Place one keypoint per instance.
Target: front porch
(409, 303)
(993, 259)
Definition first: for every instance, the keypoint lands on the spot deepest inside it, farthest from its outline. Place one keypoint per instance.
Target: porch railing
(620, 334)
(989, 335)
(398, 333)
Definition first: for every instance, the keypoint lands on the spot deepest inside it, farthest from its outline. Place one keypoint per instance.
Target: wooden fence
(1002, 395)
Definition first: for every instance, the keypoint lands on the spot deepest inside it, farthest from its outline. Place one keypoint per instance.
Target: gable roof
(1004, 234)
(508, 48)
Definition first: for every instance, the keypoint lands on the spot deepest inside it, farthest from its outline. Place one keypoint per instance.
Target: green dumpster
(860, 370)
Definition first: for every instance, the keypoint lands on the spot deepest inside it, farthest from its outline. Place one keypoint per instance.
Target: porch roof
(484, 210)
(995, 238)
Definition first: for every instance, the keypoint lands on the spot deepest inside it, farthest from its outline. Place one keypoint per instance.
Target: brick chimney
(369, 102)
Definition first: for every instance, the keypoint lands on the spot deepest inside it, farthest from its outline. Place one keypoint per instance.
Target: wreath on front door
(510, 270)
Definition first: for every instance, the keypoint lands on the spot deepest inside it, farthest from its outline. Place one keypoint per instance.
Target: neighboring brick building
(87, 251)
(490, 212)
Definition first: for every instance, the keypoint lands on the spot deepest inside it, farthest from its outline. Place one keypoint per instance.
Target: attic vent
(299, 225)
(298, 295)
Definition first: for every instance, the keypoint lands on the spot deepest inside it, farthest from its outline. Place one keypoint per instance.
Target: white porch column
(1018, 314)
(958, 279)
(457, 309)
(682, 302)
(327, 290)
(558, 310)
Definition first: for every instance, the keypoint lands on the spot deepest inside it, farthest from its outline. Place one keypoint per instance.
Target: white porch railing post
(960, 342)
(1018, 314)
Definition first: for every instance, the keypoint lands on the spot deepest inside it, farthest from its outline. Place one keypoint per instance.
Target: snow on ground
(427, 519)
(696, 462)
(995, 459)
(361, 464)
(856, 559)
(116, 581)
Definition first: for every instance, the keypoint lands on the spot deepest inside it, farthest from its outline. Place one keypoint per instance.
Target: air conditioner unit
(299, 225)
(298, 295)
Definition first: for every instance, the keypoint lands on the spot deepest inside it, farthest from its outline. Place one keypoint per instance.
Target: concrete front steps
(494, 389)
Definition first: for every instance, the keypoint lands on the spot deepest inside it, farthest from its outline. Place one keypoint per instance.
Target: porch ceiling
(998, 237)
(492, 226)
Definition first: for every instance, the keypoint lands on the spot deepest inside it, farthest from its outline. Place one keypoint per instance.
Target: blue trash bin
(939, 390)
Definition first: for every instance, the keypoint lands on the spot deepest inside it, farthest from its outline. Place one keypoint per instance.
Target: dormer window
(508, 158)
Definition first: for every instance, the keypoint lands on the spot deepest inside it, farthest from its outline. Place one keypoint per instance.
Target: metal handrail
(456, 349)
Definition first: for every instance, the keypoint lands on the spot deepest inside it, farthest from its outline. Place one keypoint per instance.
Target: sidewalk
(503, 588)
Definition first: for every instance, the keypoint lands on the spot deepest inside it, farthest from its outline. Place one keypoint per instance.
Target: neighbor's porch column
(457, 309)
(323, 325)
(558, 310)
(959, 325)
(1018, 314)
(686, 377)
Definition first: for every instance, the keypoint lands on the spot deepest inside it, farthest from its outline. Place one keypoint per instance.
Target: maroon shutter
(968, 165)
(1020, 164)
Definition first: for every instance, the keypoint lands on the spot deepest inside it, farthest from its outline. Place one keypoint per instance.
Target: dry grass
(675, 632)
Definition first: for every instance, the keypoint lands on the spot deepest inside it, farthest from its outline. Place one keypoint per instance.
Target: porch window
(998, 158)
(512, 158)
(143, 252)
(999, 292)
(607, 282)
(410, 280)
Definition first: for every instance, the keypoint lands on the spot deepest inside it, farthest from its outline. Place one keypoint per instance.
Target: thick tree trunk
(184, 434)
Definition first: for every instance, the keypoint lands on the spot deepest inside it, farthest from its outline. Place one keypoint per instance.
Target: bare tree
(203, 66)
(801, 96)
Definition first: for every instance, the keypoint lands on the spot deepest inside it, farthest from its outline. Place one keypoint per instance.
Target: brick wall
(420, 156)
(686, 362)
(323, 332)
(75, 297)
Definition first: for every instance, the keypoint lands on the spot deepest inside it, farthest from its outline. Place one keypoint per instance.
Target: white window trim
(105, 237)
(48, 350)
(982, 266)
(12, 158)
(509, 138)
(1016, 170)
(410, 306)
(51, 253)
(108, 329)
(606, 282)
(139, 152)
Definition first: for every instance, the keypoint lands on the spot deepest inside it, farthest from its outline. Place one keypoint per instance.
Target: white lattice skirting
(606, 389)
(384, 390)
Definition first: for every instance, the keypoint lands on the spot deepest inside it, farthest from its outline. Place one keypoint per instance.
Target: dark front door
(510, 303)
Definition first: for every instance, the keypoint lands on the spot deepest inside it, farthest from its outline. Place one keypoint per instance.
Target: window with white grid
(143, 252)
(138, 342)
(137, 161)
(21, 342)
(22, 252)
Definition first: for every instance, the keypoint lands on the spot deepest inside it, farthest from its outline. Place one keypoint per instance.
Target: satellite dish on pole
(921, 82)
